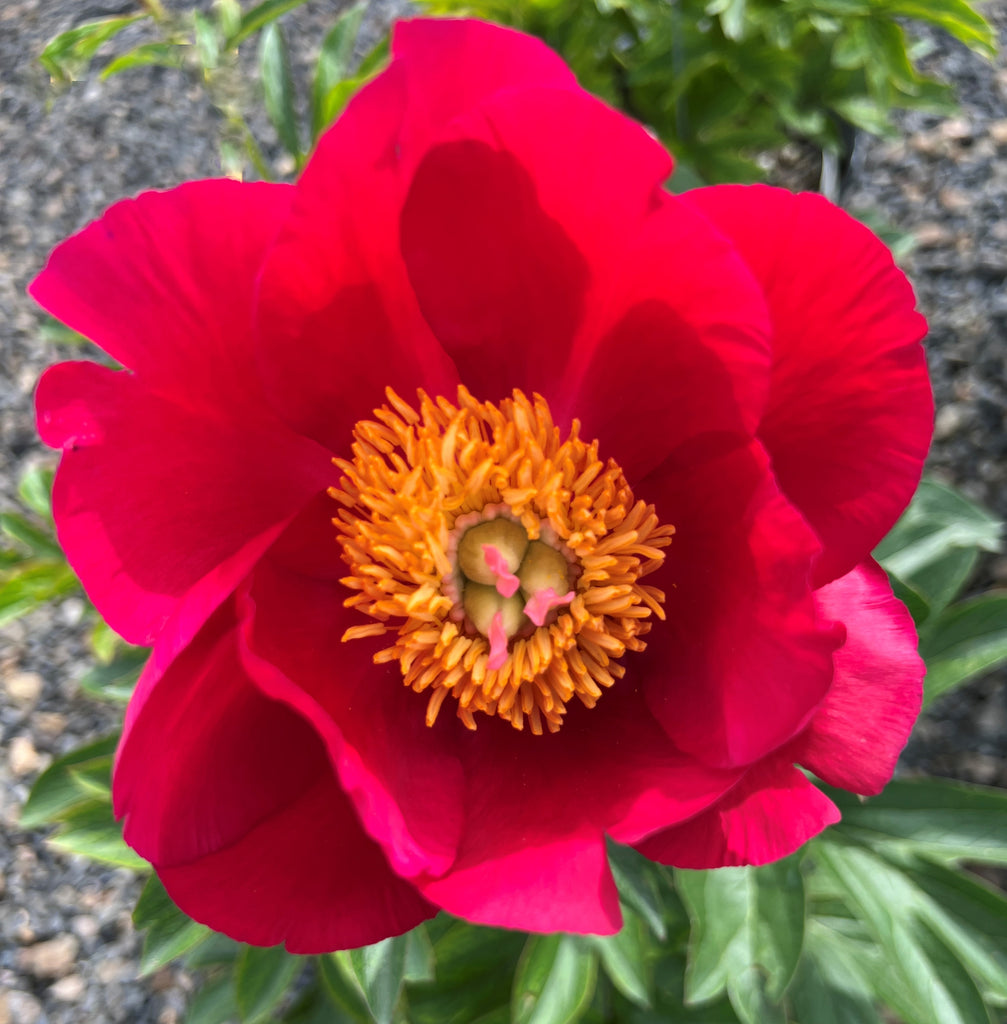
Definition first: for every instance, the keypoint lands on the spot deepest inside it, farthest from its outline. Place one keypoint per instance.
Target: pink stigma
(506, 582)
(542, 602)
(498, 642)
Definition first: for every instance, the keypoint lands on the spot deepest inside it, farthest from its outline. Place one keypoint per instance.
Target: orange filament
(419, 480)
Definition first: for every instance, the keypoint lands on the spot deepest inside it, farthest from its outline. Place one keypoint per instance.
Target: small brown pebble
(48, 724)
(22, 756)
(998, 132)
(932, 235)
(24, 688)
(68, 989)
(19, 1008)
(53, 958)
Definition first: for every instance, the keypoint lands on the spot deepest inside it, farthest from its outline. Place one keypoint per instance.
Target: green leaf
(170, 931)
(207, 40)
(162, 55)
(35, 490)
(751, 1001)
(474, 968)
(34, 583)
(957, 17)
(342, 989)
(41, 543)
(937, 817)
(67, 55)
(933, 547)
(57, 790)
(259, 16)
(215, 1002)
(555, 980)
(922, 980)
(278, 87)
(742, 918)
(91, 831)
(623, 959)
(968, 639)
(116, 680)
(334, 62)
(50, 329)
(827, 988)
(420, 960)
(261, 979)
(228, 18)
(379, 973)
(635, 877)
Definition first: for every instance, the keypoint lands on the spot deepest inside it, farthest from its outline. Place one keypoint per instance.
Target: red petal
(164, 284)
(850, 410)
(742, 662)
(686, 352)
(406, 785)
(859, 731)
(232, 798)
(768, 815)
(153, 496)
(510, 222)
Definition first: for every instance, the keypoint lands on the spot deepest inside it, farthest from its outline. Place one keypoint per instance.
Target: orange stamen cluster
(414, 473)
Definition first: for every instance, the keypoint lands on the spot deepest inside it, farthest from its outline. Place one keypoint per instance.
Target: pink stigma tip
(498, 642)
(506, 582)
(543, 601)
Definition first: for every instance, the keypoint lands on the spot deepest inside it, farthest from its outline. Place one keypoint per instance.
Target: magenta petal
(231, 796)
(404, 781)
(850, 409)
(164, 284)
(864, 722)
(743, 660)
(769, 814)
(152, 497)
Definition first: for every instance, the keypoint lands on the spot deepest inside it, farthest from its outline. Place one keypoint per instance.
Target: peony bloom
(482, 499)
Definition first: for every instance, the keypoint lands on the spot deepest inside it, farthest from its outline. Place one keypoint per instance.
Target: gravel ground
(67, 948)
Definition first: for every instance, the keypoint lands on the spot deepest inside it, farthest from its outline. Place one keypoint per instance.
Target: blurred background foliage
(895, 913)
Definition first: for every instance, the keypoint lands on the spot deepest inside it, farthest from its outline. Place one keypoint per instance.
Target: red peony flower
(482, 499)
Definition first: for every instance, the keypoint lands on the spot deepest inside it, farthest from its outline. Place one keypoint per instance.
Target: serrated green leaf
(40, 542)
(116, 680)
(214, 1002)
(278, 87)
(57, 791)
(623, 958)
(741, 918)
(68, 54)
(966, 640)
(379, 973)
(555, 980)
(940, 818)
(170, 932)
(261, 979)
(259, 16)
(35, 490)
(91, 831)
(146, 55)
(334, 62)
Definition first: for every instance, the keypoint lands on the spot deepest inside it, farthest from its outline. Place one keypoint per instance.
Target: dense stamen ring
(418, 479)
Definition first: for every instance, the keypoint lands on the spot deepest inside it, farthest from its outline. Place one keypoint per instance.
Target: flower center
(503, 560)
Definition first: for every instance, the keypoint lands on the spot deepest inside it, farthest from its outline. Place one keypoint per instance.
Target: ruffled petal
(850, 410)
(743, 660)
(768, 815)
(403, 778)
(231, 796)
(509, 224)
(153, 496)
(164, 284)
(864, 722)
